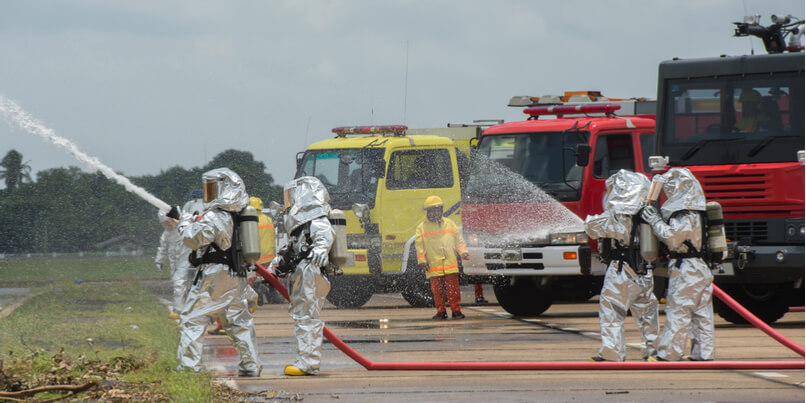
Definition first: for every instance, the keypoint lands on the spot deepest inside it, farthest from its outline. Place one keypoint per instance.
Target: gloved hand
(465, 256)
(319, 257)
(173, 213)
(423, 267)
(650, 215)
(159, 266)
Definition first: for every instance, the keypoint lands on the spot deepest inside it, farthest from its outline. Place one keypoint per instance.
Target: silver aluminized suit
(217, 294)
(173, 252)
(307, 204)
(689, 307)
(624, 289)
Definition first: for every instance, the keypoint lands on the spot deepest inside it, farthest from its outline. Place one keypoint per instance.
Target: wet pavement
(389, 330)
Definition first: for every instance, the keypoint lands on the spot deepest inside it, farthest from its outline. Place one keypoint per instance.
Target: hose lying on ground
(564, 365)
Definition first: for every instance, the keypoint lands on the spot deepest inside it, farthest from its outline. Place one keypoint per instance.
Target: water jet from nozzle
(15, 114)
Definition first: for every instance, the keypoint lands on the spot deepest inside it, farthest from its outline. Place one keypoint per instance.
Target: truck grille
(736, 187)
(737, 230)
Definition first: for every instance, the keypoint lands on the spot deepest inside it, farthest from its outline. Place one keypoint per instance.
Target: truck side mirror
(582, 154)
(299, 160)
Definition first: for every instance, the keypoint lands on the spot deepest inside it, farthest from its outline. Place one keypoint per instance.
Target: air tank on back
(646, 238)
(716, 231)
(338, 251)
(250, 237)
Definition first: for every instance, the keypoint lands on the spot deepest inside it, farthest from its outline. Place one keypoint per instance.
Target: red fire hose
(756, 321)
(560, 365)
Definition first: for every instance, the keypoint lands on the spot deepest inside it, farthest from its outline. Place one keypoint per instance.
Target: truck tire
(350, 291)
(767, 301)
(522, 296)
(578, 289)
(416, 288)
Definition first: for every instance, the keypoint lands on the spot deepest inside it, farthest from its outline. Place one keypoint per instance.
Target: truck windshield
(727, 120)
(350, 175)
(507, 168)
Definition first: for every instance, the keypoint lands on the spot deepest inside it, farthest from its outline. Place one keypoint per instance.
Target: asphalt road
(388, 329)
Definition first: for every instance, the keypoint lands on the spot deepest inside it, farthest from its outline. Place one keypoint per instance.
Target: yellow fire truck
(380, 176)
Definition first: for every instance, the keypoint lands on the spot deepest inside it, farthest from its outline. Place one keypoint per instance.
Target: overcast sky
(146, 85)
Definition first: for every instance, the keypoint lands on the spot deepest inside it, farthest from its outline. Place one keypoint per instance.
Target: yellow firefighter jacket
(437, 244)
(265, 228)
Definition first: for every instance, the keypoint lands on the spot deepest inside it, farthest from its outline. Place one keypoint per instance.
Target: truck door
(413, 175)
(612, 151)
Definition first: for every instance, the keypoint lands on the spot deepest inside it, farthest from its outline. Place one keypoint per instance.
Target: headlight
(472, 239)
(476, 238)
(568, 238)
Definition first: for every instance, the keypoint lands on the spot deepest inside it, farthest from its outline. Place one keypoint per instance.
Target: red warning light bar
(387, 129)
(571, 109)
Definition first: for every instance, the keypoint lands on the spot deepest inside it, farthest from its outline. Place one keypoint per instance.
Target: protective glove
(173, 213)
(319, 257)
(423, 267)
(650, 215)
(159, 266)
(465, 256)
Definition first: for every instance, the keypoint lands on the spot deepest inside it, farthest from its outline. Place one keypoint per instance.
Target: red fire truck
(737, 123)
(533, 182)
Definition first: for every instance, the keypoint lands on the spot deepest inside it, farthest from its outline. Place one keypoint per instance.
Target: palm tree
(14, 171)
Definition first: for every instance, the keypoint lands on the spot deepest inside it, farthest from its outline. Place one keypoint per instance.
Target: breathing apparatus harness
(614, 251)
(230, 257)
(692, 251)
(290, 259)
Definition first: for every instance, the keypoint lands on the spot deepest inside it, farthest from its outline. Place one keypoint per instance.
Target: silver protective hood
(683, 192)
(231, 190)
(626, 192)
(309, 199)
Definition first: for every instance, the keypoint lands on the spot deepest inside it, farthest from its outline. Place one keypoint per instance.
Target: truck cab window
(420, 169)
(350, 175)
(613, 152)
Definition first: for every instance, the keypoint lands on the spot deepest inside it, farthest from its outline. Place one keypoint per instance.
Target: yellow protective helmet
(432, 201)
(256, 203)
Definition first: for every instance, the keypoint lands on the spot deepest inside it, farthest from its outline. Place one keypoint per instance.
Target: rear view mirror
(582, 154)
(299, 160)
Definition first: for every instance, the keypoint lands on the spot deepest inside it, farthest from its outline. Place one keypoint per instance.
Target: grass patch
(108, 330)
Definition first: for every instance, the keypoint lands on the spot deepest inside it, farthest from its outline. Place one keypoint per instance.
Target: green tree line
(69, 210)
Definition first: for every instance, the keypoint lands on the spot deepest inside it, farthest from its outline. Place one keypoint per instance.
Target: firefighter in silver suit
(220, 290)
(310, 237)
(628, 285)
(173, 252)
(689, 308)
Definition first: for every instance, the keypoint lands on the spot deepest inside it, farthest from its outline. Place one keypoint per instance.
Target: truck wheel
(416, 288)
(521, 296)
(578, 289)
(350, 291)
(767, 301)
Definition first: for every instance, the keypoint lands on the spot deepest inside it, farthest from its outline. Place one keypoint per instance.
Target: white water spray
(496, 183)
(14, 113)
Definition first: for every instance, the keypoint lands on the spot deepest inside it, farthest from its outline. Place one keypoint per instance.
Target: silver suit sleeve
(322, 233)
(680, 228)
(213, 227)
(608, 225)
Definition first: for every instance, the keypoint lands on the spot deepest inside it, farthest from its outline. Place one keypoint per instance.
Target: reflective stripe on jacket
(437, 245)
(267, 235)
